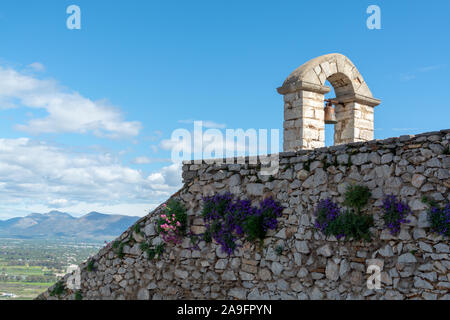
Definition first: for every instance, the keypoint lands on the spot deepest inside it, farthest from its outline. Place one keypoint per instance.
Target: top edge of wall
(247, 159)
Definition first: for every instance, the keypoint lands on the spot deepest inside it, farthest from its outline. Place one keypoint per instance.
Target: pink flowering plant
(172, 222)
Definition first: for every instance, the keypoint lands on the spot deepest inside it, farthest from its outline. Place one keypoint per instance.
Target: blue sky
(141, 69)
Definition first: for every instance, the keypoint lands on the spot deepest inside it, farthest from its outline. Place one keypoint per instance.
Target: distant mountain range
(93, 226)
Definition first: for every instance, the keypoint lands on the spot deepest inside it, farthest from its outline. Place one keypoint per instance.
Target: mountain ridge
(93, 226)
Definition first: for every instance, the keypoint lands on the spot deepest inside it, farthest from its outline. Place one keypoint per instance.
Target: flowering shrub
(394, 213)
(327, 211)
(439, 217)
(440, 220)
(332, 221)
(348, 224)
(226, 220)
(263, 219)
(172, 222)
(351, 225)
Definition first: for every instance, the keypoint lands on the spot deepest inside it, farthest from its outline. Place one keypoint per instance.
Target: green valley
(29, 267)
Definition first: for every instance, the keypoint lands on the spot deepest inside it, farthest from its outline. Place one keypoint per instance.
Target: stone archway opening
(329, 128)
(304, 93)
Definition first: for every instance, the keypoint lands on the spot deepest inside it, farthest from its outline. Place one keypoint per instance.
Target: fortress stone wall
(415, 263)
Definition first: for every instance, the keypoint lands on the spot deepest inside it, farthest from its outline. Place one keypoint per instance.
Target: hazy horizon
(75, 215)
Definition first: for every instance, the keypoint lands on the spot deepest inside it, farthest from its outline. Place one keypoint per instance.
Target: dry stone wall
(414, 264)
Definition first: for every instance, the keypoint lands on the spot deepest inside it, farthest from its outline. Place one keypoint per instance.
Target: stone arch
(304, 91)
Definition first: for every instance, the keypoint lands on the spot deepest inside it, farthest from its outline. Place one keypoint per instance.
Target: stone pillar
(303, 91)
(355, 117)
(304, 126)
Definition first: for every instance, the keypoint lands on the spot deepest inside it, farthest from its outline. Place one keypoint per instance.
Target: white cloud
(171, 174)
(432, 68)
(408, 77)
(147, 160)
(141, 160)
(37, 66)
(413, 75)
(35, 174)
(68, 111)
(58, 203)
(168, 177)
(211, 139)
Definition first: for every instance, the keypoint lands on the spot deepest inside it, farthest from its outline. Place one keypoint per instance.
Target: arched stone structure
(304, 90)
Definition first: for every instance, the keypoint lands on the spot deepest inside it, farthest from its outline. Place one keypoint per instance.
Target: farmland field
(29, 267)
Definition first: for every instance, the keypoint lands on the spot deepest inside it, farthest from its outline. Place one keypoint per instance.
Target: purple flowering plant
(395, 213)
(326, 212)
(350, 223)
(228, 219)
(439, 217)
(440, 220)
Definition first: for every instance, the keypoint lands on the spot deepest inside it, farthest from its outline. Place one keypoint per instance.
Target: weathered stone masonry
(304, 90)
(415, 263)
